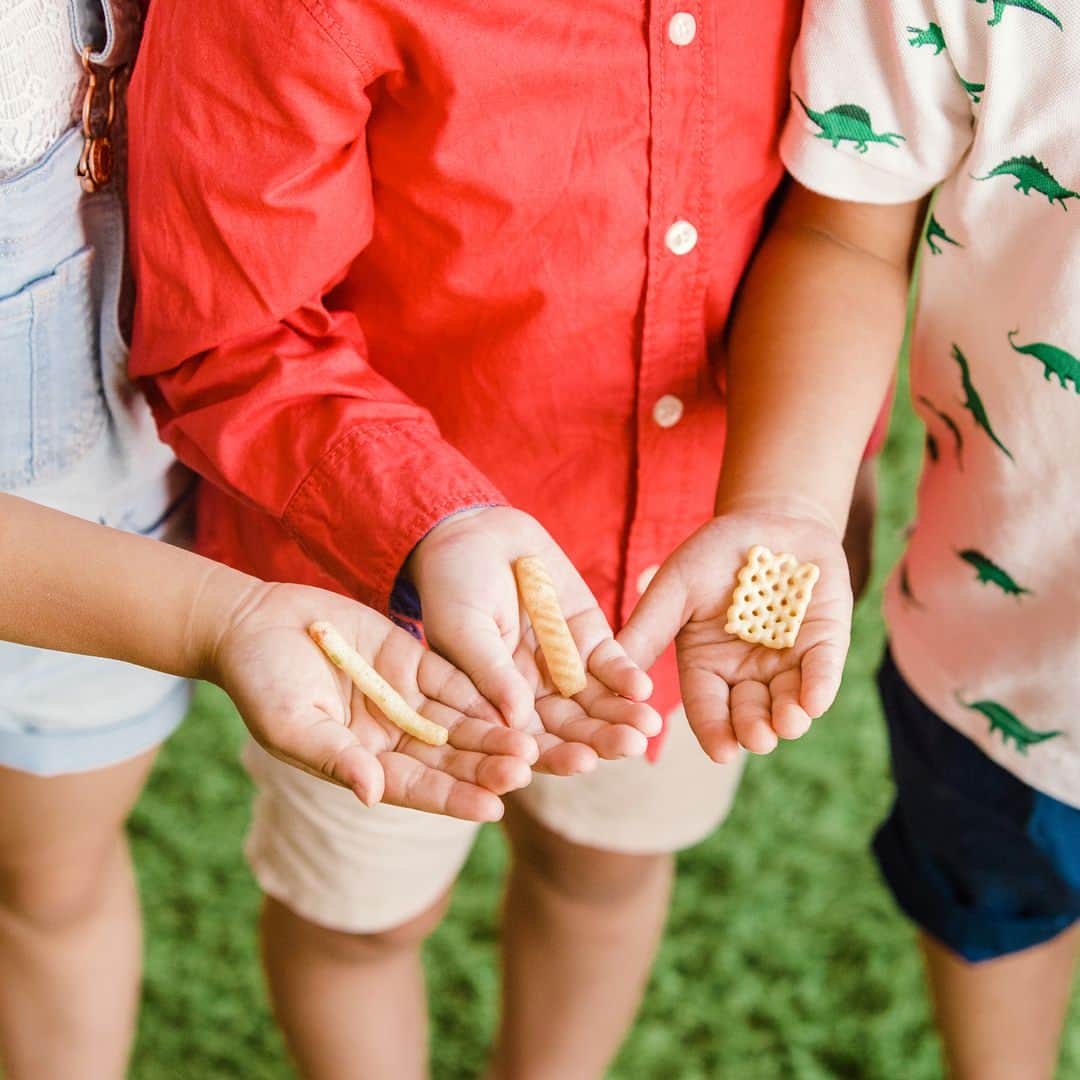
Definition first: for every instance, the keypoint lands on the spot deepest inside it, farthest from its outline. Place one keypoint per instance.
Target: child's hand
(463, 572)
(737, 694)
(307, 713)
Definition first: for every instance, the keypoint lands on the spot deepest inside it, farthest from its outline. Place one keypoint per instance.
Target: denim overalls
(75, 435)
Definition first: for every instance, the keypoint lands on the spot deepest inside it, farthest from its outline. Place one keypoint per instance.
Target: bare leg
(1001, 1019)
(70, 934)
(580, 930)
(351, 1006)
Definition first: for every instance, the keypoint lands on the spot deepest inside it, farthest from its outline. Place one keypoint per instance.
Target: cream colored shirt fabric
(981, 97)
(40, 77)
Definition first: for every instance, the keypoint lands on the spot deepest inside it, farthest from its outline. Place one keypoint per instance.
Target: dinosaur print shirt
(981, 100)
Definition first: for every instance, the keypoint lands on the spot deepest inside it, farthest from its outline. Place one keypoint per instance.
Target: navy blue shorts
(978, 859)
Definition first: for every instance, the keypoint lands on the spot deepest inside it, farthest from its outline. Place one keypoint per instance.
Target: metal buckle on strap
(96, 162)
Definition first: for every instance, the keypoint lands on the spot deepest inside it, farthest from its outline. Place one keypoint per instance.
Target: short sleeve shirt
(981, 99)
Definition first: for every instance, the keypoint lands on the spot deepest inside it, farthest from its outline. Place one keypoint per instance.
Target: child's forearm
(814, 344)
(71, 585)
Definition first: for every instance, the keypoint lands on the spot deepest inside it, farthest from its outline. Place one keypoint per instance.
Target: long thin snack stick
(374, 687)
(552, 632)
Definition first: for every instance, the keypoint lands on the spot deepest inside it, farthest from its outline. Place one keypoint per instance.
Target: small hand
(307, 713)
(463, 571)
(737, 694)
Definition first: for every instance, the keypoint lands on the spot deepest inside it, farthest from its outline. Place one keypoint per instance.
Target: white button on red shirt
(667, 411)
(681, 238)
(682, 29)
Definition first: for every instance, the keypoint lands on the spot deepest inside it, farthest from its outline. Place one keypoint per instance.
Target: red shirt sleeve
(250, 197)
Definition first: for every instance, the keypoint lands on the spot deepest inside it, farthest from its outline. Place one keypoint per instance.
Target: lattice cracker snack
(770, 599)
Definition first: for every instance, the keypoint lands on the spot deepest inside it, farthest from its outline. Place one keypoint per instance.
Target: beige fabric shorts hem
(318, 850)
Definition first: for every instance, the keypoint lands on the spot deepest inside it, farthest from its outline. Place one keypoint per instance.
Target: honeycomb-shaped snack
(770, 598)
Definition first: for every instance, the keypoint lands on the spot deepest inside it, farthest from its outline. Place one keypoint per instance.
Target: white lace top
(40, 77)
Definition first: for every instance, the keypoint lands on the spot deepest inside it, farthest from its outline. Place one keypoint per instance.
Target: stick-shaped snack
(552, 632)
(771, 598)
(374, 687)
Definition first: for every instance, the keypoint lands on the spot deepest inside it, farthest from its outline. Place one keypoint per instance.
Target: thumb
(326, 749)
(659, 616)
(476, 647)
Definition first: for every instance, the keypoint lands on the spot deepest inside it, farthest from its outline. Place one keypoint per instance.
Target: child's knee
(282, 926)
(53, 896)
(584, 875)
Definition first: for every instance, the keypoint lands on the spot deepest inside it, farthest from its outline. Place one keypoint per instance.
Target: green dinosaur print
(906, 590)
(973, 403)
(931, 35)
(1026, 5)
(848, 123)
(935, 232)
(974, 89)
(1055, 361)
(989, 573)
(1010, 725)
(951, 424)
(1031, 173)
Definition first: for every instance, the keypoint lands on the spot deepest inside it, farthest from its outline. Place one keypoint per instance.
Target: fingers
(751, 716)
(822, 670)
(610, 665)
(479, 752)
(705, 698)
(658, 617)
(411, 783)
(611, 740)
(477, 647)
(558, 758)
(327, 749)
(789, 718)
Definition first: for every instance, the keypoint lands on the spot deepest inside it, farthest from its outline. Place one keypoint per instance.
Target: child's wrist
(782, 503)
(219, 602)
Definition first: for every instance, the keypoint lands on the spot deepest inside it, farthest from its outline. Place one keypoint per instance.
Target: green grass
(784, 957)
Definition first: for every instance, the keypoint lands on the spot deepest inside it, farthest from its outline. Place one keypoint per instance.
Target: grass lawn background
(784, 956)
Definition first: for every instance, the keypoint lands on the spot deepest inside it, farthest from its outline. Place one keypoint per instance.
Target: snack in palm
(374, 687)
(541, 603)
(770, 598)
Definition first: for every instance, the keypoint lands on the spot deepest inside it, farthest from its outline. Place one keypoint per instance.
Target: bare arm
(74, 586)
(814, 344)
(813, 347)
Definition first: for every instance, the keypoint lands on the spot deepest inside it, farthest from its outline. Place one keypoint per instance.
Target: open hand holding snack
(309, 713)
(732, 604)
(473, 615)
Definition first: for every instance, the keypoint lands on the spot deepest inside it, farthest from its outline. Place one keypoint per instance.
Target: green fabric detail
(974, 89)
(1031, 173)
(951, 424)
(1026, 5)
(848, 123)
(1010, 726)
(1056, 362)
(989, 573)
(973, 403)
(931, 35)
(935, 232)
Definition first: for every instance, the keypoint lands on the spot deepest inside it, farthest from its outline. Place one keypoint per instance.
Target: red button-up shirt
(396, 259)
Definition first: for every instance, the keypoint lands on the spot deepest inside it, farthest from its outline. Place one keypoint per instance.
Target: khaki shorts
(319, 851)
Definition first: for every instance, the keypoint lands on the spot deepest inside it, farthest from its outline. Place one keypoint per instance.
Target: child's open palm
(307, 713)
(738, 694)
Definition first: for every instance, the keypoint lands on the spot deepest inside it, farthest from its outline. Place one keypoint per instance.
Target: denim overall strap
(109, 27)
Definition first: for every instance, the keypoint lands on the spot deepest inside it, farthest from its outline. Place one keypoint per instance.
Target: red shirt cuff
(374, 495)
